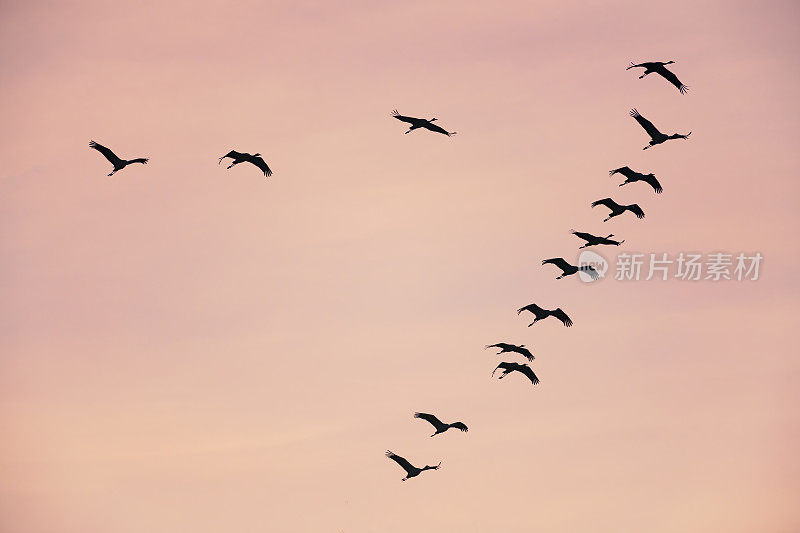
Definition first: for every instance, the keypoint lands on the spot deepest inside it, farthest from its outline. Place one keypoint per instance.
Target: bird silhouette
(505, 347)
(660, 68)
(593, 240)
(421, 123)
(656, 137)
(440, 426)
(618, 209)
(540, 314)
(516, 367)
(411, 470)
(568, 270)
(632, 175)
(118, 163)
(241, 157)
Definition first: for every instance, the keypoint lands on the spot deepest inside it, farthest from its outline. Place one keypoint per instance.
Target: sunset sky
(189, 348)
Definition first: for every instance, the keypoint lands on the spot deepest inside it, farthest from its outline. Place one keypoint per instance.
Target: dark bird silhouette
(632, 175)
(118, 163)
(411, 470)
(505, 347)
(656, 137)
(440, 426)
(512, 367)
(421, 123)
(593, 240)
(541, 314)
(618, 209)
(568, 270)
(240, 157)
(659, 67)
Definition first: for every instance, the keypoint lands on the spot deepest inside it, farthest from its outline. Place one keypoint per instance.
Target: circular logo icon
(589, 261)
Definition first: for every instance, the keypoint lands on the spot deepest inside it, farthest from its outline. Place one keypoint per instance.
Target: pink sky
(185, 348)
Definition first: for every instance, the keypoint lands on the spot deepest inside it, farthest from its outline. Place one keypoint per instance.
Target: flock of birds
(237, 157)
(567, 269)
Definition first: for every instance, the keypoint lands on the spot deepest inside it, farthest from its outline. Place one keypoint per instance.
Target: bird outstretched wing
(653, 182)
(608, 202)
(524, 352)
(532, 308)
(107, 153)
(562, 316)
(506, 367)
(501, 345)
(403, 118)
(636, 210)
(672, 78)
(594, 274)
(408, 467)
(433, 127)
(260, 163)
(585, 236)
(525, 369)
(557, 261)
(625, 171)
(460, 425)
(648, 126)
(435, 422)
(233, 154)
